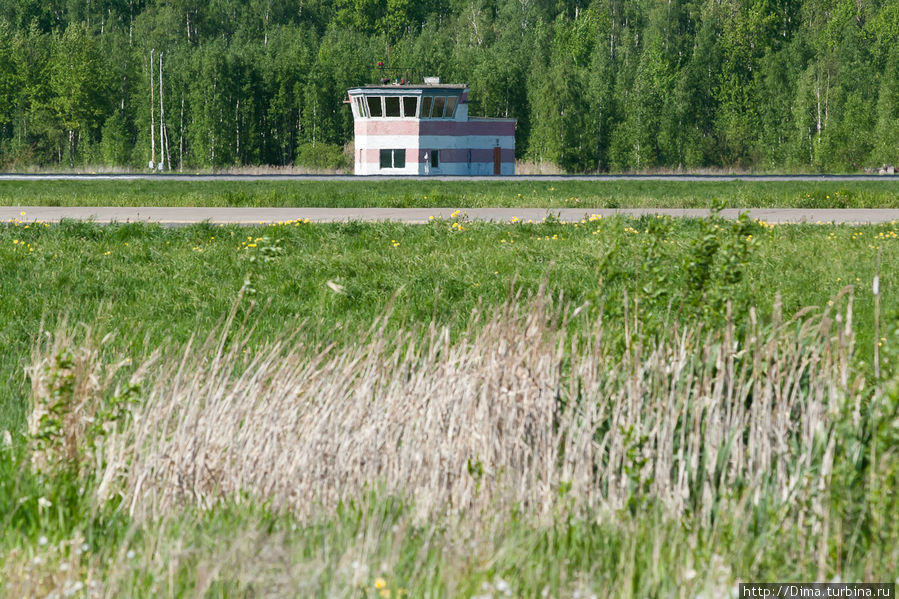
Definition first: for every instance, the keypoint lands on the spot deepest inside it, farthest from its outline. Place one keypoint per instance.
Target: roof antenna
(400, 75)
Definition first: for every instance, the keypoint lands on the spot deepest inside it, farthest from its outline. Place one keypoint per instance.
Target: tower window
(450, 106)
(393, 158)
(439, 102)
(374, 106)
(410, 107)
(392, 106)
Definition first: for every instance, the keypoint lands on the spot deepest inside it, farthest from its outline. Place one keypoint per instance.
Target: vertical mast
(161, 119)
(152, 123)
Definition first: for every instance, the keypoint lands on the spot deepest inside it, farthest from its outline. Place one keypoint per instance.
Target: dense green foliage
(454, 194)
(601, 85)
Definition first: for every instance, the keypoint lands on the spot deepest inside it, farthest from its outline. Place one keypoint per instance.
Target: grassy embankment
(684, 442)
(466, 194)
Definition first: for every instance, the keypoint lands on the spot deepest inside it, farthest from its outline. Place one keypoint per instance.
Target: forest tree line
(595, 85)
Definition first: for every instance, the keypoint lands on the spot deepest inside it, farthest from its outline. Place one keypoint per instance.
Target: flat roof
(409, 86)
(492, 118)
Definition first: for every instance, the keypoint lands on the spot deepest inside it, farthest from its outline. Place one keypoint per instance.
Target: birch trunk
(152, 123)
(161, 119)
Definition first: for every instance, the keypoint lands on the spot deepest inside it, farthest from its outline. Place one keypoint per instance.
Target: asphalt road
(250, 216)
(598, 178)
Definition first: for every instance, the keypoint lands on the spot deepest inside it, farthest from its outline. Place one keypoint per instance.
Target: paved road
(248, 216)
(597, 178)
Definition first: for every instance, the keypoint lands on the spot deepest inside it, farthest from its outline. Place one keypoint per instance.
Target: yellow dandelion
(380, 583)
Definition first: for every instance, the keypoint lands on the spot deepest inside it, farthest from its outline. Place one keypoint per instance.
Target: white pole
(152, 124)
(161, 119)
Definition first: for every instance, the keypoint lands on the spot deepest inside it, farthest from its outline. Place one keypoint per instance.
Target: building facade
(424, 129)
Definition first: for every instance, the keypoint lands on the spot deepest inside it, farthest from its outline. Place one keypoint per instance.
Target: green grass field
(168, 283)
(244, 524)
(549, 194)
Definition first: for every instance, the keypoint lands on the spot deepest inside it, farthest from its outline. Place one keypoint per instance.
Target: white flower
(502, 586)
(44, 502)
(689, 574)
(42, 540)
(130, 554)
(72, 588)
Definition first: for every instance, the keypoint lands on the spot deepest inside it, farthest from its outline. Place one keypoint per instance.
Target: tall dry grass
(519, 412)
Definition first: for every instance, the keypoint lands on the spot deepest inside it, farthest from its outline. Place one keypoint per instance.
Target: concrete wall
(465, 145)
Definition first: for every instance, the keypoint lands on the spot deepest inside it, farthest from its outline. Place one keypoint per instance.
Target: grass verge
(463, 194)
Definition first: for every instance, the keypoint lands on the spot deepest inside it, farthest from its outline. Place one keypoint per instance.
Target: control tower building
(424, 129)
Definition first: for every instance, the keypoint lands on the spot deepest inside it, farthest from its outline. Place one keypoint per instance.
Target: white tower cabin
(424, 129)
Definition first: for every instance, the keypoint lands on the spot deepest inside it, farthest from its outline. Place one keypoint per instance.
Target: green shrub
(321, 155)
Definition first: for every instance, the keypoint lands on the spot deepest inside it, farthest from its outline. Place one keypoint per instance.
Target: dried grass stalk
(514, 413)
